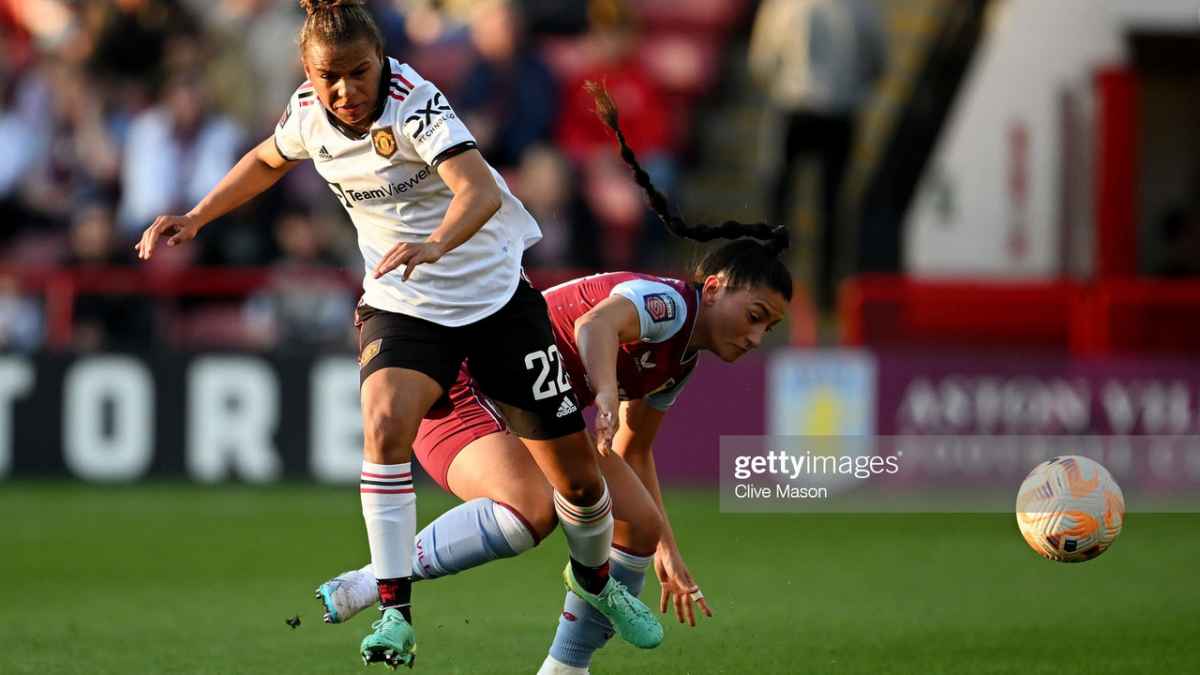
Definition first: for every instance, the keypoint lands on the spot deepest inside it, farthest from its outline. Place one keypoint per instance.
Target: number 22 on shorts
(545, 387)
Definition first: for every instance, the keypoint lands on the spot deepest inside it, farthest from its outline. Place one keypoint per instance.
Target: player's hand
(177, 229)
(410, 255)
(678, 587)
(607, 405)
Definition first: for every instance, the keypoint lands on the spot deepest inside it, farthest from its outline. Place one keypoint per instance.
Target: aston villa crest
(384, 142)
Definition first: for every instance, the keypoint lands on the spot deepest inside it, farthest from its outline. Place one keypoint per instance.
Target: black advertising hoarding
(208, 416)
(262, 417)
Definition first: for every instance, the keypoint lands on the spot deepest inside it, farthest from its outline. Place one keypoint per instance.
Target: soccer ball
(1070, 509)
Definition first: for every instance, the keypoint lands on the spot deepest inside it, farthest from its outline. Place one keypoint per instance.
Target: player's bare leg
(393, 402)
(637, 524)
(584, 507)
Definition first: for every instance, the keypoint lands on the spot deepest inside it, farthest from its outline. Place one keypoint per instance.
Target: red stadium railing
(1106, 317)
(61, 286)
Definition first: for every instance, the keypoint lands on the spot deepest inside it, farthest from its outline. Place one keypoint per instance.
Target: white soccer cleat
(347, 594)
(551, 666)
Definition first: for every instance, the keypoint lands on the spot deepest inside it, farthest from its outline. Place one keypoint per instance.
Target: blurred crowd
(115, 111)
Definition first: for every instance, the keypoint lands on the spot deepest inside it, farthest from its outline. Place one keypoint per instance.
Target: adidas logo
(323, 153)
(566, 407)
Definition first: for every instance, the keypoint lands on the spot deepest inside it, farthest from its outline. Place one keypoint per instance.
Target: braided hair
(751, 260)
(338, 22)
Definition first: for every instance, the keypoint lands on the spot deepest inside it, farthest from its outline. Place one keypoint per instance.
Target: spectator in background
(546, 185)
(611, 55)
(300, 308)
(252, 40)
(620, 206)
(24, 135)
(104, 321)
(21, 325)
(817, 61)
(509, 99)
(78, 159)
(390, 17)
(631, 237)
(439, 44)
(132, 40)
(175, 153)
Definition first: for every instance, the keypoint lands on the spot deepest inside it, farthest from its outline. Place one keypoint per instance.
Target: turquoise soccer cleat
(393, 641)
(630, 618)
(346, 595)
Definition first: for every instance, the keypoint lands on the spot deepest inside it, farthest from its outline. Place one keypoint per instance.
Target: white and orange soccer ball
(1070, 509)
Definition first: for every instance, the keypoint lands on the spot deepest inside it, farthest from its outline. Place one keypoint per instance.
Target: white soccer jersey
(387, 181)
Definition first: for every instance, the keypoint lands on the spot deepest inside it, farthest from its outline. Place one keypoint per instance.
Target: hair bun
(313, 6)
(779, 240)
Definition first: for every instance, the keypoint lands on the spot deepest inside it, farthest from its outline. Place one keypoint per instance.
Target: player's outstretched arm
(598, 334)
(257, 170)
(634, 441)
(476, 199)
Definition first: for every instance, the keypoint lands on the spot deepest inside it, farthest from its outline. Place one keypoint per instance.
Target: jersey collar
(385, 76)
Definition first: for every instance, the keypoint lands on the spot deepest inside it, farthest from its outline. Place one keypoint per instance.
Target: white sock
(389, 508)
(589, 529)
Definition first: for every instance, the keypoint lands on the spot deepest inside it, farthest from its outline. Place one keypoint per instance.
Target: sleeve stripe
(275, 139)
(451, 152)
(403, 79)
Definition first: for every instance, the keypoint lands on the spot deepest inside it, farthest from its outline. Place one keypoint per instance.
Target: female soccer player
(442, 239)
(629, 343)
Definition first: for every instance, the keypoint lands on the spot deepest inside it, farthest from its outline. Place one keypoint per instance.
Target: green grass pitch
(170, 578)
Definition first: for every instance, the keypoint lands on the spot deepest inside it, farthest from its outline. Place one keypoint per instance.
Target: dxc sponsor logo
(422, 122)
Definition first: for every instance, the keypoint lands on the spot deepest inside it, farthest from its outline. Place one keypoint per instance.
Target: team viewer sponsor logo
(350, 195)
(660, 307)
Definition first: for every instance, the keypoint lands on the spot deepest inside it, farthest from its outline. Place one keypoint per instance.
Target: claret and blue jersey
(658, 364)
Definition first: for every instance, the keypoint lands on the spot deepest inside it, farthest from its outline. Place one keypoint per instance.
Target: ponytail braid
(775, 238)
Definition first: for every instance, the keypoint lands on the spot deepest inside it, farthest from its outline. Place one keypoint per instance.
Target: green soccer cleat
(393, 641)
(630, 618)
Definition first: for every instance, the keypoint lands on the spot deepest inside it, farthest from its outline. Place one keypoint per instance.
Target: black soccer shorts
(511, 355)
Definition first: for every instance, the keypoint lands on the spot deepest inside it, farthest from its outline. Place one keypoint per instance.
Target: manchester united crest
(384, 141)
(369, 352)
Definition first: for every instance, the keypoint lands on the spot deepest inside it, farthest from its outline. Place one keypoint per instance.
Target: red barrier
(1108, 317)
(1142, 315)
(61, 286)
(885, 311)
(1116, 173)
